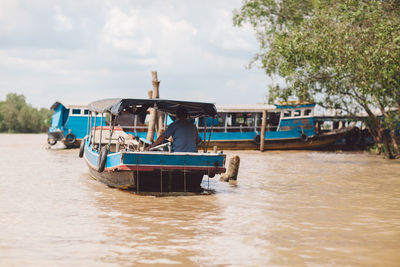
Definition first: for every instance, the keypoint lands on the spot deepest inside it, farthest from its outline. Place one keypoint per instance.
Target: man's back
(185, 135)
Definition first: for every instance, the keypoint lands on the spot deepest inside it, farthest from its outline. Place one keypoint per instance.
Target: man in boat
(183, 132)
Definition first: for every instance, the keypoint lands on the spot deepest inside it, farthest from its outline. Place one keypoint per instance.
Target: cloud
(65, 50)
(63, 23)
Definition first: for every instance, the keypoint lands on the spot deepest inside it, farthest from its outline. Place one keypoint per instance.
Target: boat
(119, 158)
(68, 124)
(287, 126)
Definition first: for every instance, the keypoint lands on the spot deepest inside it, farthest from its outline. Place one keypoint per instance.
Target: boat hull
(319, 141)
(155, 172)
(151, 181)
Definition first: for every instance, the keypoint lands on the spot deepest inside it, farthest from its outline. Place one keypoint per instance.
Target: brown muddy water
(288, 209)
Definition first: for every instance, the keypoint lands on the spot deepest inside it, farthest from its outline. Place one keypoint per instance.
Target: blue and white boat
(118, 158)
(68, 124)
(287, 126)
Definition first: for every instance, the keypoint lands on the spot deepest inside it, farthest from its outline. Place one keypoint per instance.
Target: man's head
(181, 112)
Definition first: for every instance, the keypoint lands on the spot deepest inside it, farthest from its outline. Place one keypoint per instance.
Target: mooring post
(152, 124)
(159, 124)
(233, 169)
(263, 125)
(154, 120)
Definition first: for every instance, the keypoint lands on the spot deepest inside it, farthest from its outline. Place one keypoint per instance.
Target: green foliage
(342, 54)
(16, 116)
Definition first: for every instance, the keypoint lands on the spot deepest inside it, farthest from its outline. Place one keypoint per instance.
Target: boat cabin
(68, 124)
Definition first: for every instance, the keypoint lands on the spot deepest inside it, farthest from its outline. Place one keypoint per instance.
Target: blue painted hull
(155, 171)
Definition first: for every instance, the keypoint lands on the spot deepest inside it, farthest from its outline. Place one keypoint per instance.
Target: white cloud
(125, 31)
(9, 11)
(63, 23)
(145, 34)
(108, 49)
(226, 35)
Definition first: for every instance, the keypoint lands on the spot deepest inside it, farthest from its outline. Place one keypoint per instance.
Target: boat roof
(139, 106)
(244, 107)
(260, 107)
(68, 106)
(293, 105)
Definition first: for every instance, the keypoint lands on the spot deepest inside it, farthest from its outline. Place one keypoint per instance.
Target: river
(291, 208)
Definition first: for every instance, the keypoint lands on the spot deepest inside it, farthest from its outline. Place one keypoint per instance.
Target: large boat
(68, 124)
(286, 126)
(118, 158)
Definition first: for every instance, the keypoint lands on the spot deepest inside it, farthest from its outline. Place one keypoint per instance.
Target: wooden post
(155, 115)
(156, 85)
(233, 169)
(150, 94)
(152, 121)
(159, 123)
(263, 124)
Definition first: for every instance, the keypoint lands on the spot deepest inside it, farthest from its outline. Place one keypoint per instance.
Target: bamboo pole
(159, 123)
(150, 94)
(263, 124)
(154, 117)
(152, 120)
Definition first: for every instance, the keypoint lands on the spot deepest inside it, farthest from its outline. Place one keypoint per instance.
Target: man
(183, 132)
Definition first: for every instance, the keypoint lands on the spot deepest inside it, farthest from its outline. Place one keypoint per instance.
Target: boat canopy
(68, 106)
(140, 106)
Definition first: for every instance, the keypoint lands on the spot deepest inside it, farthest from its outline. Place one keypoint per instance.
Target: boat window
(307, 112)
(287, 113)
(221, 119)
(273, 121)
(76, 111)
(244, 119)
(297, 113)
(238, 121)
(86, 112)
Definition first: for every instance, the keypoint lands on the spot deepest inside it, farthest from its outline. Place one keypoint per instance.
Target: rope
(209, 136)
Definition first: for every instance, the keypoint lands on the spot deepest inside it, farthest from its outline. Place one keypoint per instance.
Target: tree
(16, 116)
(340, 54)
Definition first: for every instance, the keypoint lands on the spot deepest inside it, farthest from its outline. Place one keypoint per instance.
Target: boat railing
(240, 128)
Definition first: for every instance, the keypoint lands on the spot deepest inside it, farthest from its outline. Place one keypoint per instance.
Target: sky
(76, 52)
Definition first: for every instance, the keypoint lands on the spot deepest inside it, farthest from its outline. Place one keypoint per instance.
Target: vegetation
(16, 116)
(342, 54)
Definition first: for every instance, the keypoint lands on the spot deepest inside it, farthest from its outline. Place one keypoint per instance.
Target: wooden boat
(287, 126)
(118, 158)
(68, 124)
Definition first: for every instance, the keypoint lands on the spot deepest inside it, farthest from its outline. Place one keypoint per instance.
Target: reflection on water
(288, 209)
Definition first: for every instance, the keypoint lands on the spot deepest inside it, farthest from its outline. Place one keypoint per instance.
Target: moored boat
(286, 126)
(119, 158)
(68, 124)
